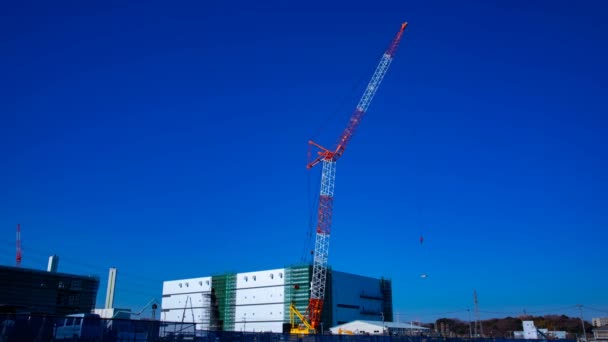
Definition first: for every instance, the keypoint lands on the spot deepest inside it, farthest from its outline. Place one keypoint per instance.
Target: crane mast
(328, 159)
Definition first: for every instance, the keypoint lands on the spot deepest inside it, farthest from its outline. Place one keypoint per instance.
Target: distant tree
(504, 327)
(450, 327)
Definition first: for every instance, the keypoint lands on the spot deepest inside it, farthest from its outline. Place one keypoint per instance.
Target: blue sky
(170, 140)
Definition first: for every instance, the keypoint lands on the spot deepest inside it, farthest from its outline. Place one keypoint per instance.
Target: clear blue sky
(169, 140)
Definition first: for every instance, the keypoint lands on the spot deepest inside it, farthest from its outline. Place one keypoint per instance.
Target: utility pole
(470, 329)
(478, 328)
(580, 307)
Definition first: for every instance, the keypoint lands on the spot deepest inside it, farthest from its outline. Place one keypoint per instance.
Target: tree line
(504, 327)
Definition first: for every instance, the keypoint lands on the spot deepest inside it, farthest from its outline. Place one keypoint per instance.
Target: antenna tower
(478, 330)
(18, 254)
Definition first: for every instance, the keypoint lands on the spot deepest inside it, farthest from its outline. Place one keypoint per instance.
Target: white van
(83, 327)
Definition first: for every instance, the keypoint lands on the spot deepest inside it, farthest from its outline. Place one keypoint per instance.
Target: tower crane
(328, 158)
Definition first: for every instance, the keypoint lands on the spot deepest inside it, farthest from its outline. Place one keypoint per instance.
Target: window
(280, 275)
(347, 306)
(180, 284)
(253, 278)
(271, 276)
(77, 321)
(246, 278)
(69, 321)
(186, 284)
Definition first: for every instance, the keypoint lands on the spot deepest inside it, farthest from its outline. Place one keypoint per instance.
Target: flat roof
(46, 273)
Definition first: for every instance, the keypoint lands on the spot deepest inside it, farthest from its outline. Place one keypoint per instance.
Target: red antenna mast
(18, 257)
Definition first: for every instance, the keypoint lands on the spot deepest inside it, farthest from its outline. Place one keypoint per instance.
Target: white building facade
(260, 301)
(187, 300)
(599, 321)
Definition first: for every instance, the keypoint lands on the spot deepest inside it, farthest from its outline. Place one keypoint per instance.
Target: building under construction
(259, 301)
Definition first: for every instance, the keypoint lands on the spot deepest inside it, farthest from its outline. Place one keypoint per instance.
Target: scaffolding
(224, 291)
(297, 289)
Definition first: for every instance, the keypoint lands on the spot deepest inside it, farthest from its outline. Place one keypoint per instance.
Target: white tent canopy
(375, 328)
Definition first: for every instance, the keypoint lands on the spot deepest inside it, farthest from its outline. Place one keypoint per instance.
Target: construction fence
(90, 328)
(26, 328)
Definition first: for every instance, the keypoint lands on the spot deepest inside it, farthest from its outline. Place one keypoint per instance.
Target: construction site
(300, 300)
(306, 301)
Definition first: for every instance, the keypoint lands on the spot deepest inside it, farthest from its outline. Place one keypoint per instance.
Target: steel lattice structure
(328, 177)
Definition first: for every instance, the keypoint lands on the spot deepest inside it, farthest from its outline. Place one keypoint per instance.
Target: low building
(599, 321)
(601, 333)
(41, 292)
(378, 328)
(259, 301)
(532, 333)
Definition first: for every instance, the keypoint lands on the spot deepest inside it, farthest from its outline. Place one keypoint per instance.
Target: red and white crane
(328, 176)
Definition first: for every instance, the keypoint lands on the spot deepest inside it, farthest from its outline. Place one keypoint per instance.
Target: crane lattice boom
(328, 177)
